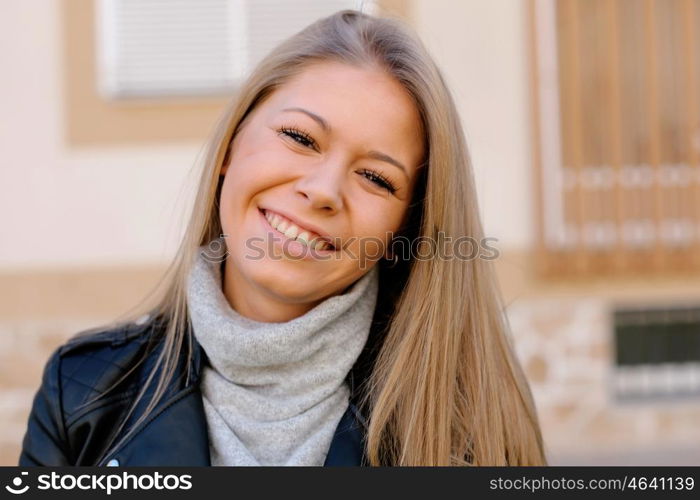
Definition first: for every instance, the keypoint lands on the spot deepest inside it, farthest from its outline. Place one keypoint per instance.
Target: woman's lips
(313, 232)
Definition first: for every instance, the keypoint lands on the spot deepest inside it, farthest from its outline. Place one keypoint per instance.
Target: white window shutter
(152, 48)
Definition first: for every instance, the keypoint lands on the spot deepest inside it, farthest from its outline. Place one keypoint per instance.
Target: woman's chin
(294, 287)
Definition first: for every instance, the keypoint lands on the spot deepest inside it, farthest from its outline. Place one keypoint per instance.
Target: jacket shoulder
(93, 361)
(114, 336)
(66, 411)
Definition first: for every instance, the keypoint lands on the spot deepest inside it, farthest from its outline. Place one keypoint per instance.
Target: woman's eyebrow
(372, 154)
(323, 123)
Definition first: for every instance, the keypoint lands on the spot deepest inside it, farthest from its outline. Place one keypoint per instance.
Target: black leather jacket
(64, 430)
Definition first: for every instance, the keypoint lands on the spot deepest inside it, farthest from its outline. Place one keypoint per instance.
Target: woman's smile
(298, 240)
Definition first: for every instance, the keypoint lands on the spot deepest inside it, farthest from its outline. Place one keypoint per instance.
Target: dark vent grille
(657, 352)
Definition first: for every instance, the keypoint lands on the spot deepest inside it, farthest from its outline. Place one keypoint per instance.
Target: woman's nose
(322, 186)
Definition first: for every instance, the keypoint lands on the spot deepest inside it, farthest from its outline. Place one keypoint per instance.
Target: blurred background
(583, 121)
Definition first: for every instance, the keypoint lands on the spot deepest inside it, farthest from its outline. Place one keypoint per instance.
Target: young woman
(289, 330)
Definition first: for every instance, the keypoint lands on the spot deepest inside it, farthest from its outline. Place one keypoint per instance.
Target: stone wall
(566, 347)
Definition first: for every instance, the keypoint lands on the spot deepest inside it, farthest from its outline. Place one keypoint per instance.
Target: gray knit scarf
(274, 393)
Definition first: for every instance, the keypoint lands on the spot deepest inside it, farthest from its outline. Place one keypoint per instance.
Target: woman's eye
(300, 136)
(304, 138)
(379, 180)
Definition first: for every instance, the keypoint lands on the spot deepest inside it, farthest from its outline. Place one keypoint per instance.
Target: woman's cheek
(370, 240)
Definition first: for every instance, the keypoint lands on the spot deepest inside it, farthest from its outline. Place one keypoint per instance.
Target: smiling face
(332, 155)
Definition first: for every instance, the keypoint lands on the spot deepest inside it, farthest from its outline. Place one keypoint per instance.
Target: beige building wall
(64, 207)
(481, 48)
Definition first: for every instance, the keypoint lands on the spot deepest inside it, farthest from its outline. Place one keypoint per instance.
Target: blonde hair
(445, 387)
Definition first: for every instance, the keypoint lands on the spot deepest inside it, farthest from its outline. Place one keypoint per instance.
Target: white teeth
(291, 231)
(295, 232)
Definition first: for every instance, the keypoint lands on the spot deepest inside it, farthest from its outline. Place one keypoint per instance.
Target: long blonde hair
(445, 387)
